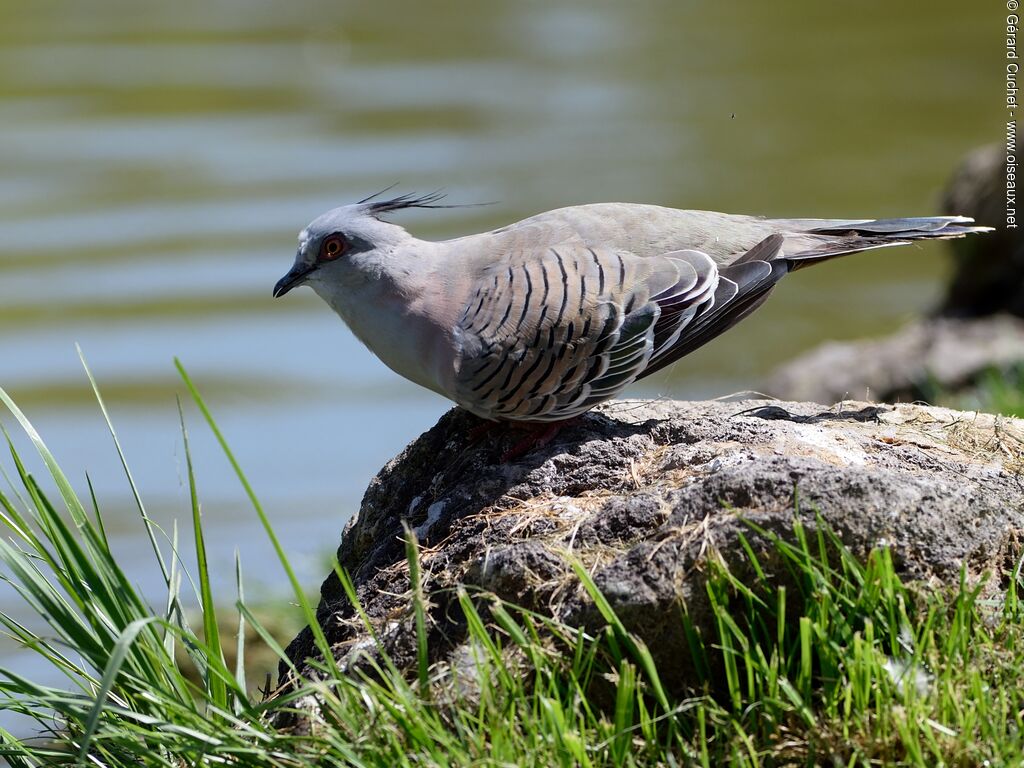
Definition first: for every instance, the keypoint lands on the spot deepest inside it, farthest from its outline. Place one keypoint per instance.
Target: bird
(541, 320)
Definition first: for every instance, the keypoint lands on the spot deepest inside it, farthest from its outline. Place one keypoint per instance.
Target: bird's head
(349, 243)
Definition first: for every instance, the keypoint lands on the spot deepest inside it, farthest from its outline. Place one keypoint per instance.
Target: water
(158, 159)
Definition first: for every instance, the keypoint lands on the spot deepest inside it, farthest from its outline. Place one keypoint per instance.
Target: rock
(643, 493)
(934, 353)
(989, 275)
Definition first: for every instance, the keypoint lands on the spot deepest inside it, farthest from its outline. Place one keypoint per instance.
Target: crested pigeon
(541, 320)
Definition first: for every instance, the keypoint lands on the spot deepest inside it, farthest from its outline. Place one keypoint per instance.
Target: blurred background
(158, 159)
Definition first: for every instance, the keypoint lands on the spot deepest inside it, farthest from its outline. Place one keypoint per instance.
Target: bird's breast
(400, 331)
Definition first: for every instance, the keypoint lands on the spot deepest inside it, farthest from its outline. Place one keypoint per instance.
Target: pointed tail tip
(953, 231)
(959, 221)
(910, 228)
(958, 226)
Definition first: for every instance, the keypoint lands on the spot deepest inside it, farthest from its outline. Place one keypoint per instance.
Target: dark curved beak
(295, 276)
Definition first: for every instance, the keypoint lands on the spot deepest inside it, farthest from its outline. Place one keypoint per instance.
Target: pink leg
(538, 435)
(482, 430)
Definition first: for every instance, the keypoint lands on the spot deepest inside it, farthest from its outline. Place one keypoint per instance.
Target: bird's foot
(538, 435)
(482, 430)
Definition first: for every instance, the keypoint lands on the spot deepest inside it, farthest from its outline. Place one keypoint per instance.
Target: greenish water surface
(158, 159)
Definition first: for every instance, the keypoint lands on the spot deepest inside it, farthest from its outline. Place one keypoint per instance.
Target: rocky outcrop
(988, 276)
(938, 354)
(643, 493)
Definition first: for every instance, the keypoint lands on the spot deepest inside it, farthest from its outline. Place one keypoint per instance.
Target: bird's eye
(332, 248)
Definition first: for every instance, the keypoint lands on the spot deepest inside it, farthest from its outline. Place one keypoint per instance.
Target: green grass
(997, 390)
(845, 665)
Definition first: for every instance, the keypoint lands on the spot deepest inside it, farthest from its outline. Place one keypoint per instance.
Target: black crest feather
(409, 200)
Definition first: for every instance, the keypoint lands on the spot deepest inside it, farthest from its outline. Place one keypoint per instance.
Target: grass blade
(211, 631)
(412, 555)
(127, 471)
(117, 658)
(307, 610)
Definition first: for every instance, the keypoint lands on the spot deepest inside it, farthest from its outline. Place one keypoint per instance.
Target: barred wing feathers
(546, 335)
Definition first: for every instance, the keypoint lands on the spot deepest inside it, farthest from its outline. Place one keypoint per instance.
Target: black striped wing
(547, 335)
(743, 286)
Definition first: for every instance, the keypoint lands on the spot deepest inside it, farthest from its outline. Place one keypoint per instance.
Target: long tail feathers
(745, 283)
(837, 237)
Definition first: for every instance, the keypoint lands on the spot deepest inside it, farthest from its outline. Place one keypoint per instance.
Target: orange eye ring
(333, 247)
